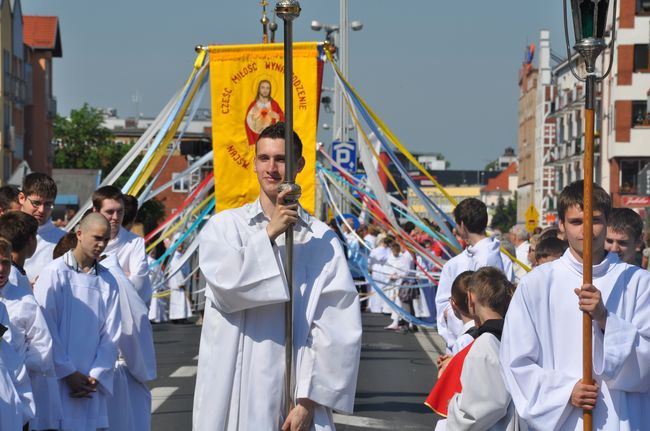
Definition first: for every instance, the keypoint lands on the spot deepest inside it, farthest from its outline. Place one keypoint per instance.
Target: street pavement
(396, 374)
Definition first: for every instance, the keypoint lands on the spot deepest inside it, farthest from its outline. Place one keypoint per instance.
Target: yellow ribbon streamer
(145, 175)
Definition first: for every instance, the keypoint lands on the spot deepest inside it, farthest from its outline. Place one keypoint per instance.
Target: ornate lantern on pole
(589, 24)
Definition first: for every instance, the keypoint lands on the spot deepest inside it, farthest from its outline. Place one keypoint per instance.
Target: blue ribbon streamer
(183, 237)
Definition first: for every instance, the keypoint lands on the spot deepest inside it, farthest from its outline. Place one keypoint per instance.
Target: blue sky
(441, 74)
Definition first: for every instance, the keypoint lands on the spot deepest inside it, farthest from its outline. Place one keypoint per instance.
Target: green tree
(84, 143)
(150, 214)
(505, 214)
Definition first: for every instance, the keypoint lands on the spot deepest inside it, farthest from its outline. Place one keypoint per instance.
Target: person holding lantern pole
(541, 349)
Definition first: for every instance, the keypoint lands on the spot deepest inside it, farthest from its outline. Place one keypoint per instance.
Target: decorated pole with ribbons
(289, 10)
(589, 24)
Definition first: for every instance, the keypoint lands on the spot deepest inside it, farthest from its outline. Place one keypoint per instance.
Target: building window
(640, 115)
(641, 57)
(629, 174)
(182, 185)
(643, 7)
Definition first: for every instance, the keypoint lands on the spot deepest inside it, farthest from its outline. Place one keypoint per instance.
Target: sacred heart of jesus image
(262, 112)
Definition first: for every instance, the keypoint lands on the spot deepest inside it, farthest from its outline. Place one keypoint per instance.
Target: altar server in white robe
(32, 336)
(37, 199)
(16, 407)
(129, 408)
(541, 349)
(158, 307)
(241, 359)
(471, 221)
(376, 261)
(179, 302)
(127, 246)
(79, 298)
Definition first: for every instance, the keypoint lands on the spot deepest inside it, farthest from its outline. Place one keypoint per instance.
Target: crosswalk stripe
(361, 422)
(185, 371)
(160, 395)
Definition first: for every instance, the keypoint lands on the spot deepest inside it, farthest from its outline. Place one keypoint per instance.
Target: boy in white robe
(130, 403)
(376, 261)
(127, 246)
(15, 407)
(241, 371)
(32, 335)
(37, 199)
(541, 350)
(179, 303)
(471, 219)
(484, 403)
(79, 298)
(9, 199)
(624, 234)
(129, 407)
(158, 307)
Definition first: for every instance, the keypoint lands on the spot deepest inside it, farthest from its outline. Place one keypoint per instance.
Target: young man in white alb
(79, 298)
(239, 385)
(31, 335)
(37, 199)
(471, 221)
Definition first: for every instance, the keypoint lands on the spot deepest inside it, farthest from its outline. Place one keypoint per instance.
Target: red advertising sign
(636, 201)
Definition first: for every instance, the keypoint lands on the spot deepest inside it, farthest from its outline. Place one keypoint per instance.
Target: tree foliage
(505, 214)
(150, 214)
(84, 143)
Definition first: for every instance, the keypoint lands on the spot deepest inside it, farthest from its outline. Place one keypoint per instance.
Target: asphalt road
(396, 374)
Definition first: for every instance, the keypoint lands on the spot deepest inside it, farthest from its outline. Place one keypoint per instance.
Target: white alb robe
(398, 269)
(376, 261)
(129, 407)
(130, 251)
(241, 360)
(484, 403)
(16, 395)
(179, 303)
(31, 337)
(463, 340)
(541, 349)
(158, 306)
(486, 252)
(521, 253)
(83, 315)
(14, 406)
(47, 238)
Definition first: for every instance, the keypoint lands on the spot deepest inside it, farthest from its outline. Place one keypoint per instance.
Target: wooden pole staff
(587, 252)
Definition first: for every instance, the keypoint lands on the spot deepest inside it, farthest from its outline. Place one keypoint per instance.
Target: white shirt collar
(598, 270)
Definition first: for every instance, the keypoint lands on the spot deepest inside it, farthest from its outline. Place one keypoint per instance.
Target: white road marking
(160, 395)
(361, 422)
(185, 371)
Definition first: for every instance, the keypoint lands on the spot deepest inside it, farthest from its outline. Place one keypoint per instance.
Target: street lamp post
(341, 123)
(589, 23)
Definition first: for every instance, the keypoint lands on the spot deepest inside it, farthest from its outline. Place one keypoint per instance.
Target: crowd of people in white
(77, 348)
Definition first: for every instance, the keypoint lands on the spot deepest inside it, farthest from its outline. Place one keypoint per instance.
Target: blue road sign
(345, 154)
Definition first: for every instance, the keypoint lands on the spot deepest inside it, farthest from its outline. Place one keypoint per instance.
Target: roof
(42, 33)
(500, 182)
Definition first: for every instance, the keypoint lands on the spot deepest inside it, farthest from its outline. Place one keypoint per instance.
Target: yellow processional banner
(247, 86)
